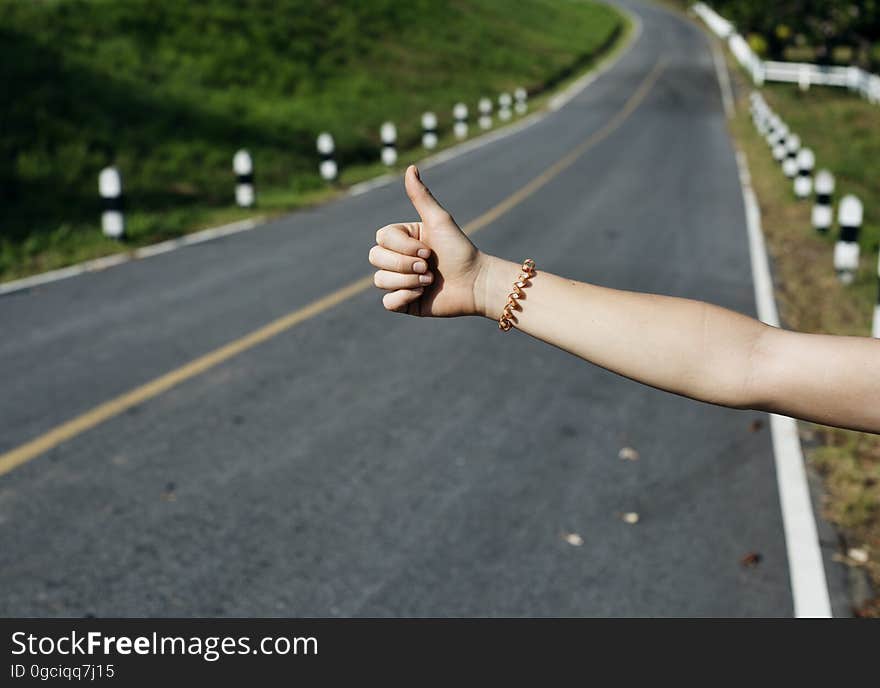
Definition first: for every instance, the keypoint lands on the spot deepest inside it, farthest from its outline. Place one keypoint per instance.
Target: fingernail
(419, 290)
(419, 266)
(425, 279)
(424, 253)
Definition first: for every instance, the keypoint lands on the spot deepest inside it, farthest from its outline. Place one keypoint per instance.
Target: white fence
(802, 73)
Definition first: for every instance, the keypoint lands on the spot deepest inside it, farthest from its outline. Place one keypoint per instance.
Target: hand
(427, 268)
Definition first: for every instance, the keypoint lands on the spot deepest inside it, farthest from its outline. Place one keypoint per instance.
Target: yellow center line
(159, 385)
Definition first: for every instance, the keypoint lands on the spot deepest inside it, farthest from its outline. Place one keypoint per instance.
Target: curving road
(366, 464)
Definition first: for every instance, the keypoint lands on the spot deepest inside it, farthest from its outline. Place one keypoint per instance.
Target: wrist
(492, 285)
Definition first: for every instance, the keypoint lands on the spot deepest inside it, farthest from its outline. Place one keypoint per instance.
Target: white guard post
(846, 250)
(243, 166)
(460, 115)
(822, 215)
(110, 190)
(429, 130)
(326, 148)
(388, 134)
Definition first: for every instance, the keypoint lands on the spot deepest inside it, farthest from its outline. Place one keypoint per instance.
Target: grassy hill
(168, 91)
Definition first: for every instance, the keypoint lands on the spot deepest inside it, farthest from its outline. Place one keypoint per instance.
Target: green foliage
(822, 24)
(758, 44)
(168, 91)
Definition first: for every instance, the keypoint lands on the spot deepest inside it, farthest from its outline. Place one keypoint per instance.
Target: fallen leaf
(573, 539)
(750, 559)
(630, 517)
(858, 555)
(628, 454)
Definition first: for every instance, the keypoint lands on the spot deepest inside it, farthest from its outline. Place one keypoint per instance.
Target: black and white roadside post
(766, 122)
(110, 190)
(429, 130)
(485, 108)
(770, 135)
(460, 115)
(758, 117)
(243, 166)
(846, 250)
(759, 112)
(775, 124)
(521, 97)
(771, 128)
(822, 214)
(765, 119)
(780, 130)
(803, 182)
(792, 147)
(778, 143)
(388, 134)
(755, 99)
(504, 103)
(326, 148)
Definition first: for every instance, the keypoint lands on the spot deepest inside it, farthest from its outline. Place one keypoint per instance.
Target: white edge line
(723, 80)
(554, 104)
(370, 184)
(809, 588)
(114, 259)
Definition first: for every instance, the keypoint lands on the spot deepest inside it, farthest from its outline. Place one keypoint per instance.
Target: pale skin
(695, 349)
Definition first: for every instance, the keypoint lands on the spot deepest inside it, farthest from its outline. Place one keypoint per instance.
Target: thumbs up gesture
(427, 268)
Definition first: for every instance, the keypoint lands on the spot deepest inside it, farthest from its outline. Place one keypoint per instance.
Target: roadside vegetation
(168, 91)
(844, 132)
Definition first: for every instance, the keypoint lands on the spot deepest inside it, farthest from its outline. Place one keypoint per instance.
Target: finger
(396, 238)
(423, 201)
(384, 259)
(385, 279)
(400, 299)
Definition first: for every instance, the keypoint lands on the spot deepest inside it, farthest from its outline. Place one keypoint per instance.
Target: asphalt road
(367, 463)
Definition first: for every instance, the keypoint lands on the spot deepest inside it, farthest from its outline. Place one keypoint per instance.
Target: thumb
(423, 201)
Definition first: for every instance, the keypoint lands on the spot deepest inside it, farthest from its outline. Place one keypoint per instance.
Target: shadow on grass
(48, 169)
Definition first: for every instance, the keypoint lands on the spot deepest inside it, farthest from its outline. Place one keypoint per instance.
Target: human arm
(683, 346)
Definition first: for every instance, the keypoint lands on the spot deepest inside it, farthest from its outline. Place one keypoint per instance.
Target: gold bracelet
(505, 322)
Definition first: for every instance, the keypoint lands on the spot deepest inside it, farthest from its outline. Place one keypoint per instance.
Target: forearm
(678, 345)
(687, 347)
(696, 349)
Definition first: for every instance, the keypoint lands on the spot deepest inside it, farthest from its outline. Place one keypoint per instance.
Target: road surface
(364, 463)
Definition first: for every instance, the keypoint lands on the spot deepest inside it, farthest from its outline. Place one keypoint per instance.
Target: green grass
(168, 91)
(844, 132)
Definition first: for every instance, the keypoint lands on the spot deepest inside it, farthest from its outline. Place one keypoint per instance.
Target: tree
(821, 24)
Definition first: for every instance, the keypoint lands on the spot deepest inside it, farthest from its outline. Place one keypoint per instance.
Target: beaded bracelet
(505, 322)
